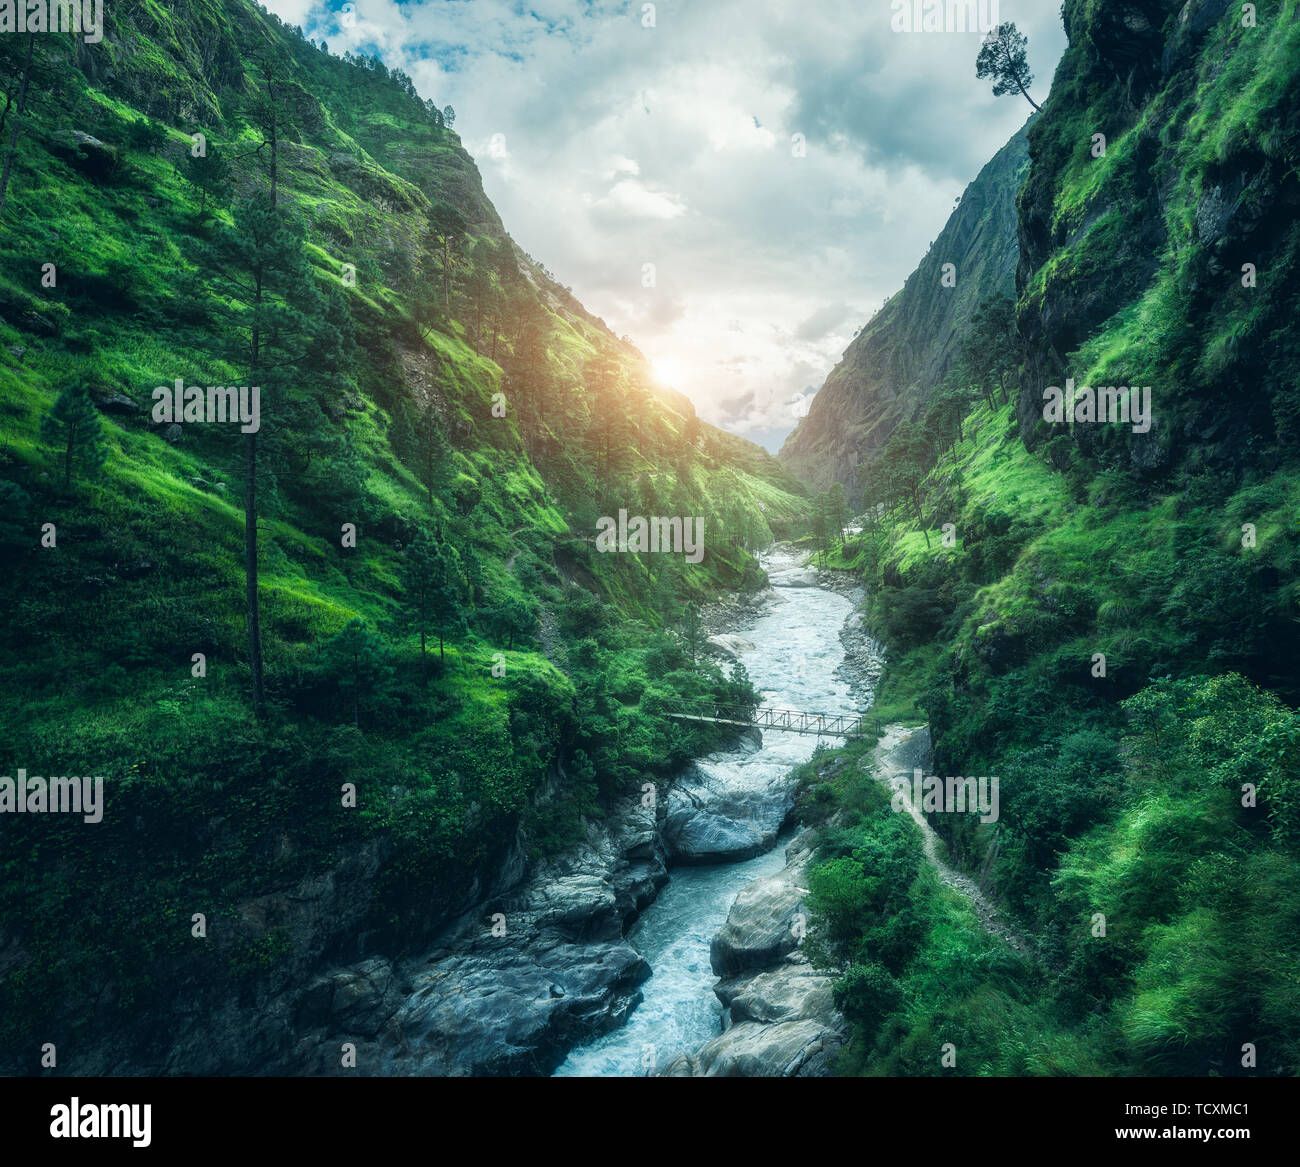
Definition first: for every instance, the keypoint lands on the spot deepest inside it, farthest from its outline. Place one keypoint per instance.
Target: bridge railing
(844, 725)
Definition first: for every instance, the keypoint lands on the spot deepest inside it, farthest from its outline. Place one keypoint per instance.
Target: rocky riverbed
(510, 986)
(592, 950)
(779, 1017)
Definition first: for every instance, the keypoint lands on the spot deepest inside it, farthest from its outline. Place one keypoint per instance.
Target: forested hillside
(332, 670)
(1103, 616)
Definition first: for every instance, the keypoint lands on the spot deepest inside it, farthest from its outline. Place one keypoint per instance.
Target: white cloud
(618, 166)
(629, 199)
(619, 145)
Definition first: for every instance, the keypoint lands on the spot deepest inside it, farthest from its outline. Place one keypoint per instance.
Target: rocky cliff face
(508, 987)
(1133, 258)
(1160, 253)
(887, 372)
(513, 973)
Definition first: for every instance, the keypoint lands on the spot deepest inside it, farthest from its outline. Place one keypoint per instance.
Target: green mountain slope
(1107, 620)
(888, 373)
(442, 426)
(1133, 265)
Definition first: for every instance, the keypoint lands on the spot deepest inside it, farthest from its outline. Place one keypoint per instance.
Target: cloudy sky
(782, 164)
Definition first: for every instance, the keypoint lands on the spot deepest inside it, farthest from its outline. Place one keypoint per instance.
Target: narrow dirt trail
(898, 753)
(510, 563)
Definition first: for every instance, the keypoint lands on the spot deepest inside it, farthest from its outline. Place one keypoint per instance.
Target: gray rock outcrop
(512, 985)
(724, 810)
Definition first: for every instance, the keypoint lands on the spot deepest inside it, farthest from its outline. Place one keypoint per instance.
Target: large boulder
(730, 645)
(791, 1049)
(761, 927)
(794, 577)
(516, 1011)
(725, 809)
(95, 159)
(794, 991)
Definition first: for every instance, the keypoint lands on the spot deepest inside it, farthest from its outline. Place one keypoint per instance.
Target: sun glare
(667, 372)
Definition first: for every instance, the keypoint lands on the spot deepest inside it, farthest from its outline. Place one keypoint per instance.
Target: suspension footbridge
(843, 725)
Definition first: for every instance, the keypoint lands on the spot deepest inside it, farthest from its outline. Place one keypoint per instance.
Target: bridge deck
(786, 720)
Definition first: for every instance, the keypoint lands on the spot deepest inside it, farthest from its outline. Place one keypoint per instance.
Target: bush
(861, 906)
(866, 995)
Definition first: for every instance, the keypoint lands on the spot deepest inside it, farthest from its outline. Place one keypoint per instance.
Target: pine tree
(333, 357)
(647, 497)
(471, 574)
(692, 629)
(820, 528)
(512, 617)
(991, 352)
(279, 108)
(420, 588)
(608, 432)
(740, 690)
(359, 662)
(1002, 57)
(17, 68)
(15, 515)
(511, 291)
(837, 510)
(479, 289)
(530, 380)
(691, 436)
(343, 482)
(73, 427)
(945, 417)
(444, 242)
(401, 432)
(274, 315)
(449, 613)
(208, 175)
(432, 451)
(666, 601)
(147, 135)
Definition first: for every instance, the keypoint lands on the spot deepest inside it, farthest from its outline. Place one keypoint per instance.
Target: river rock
(790, 1049)
(778, 1011)
(794, 577)
(761, 926)
(699, 837)
(795, 991)
(730, 645)
(724, 810)
(510, 1013)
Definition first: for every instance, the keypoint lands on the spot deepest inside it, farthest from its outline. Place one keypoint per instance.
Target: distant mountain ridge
(887, 372)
